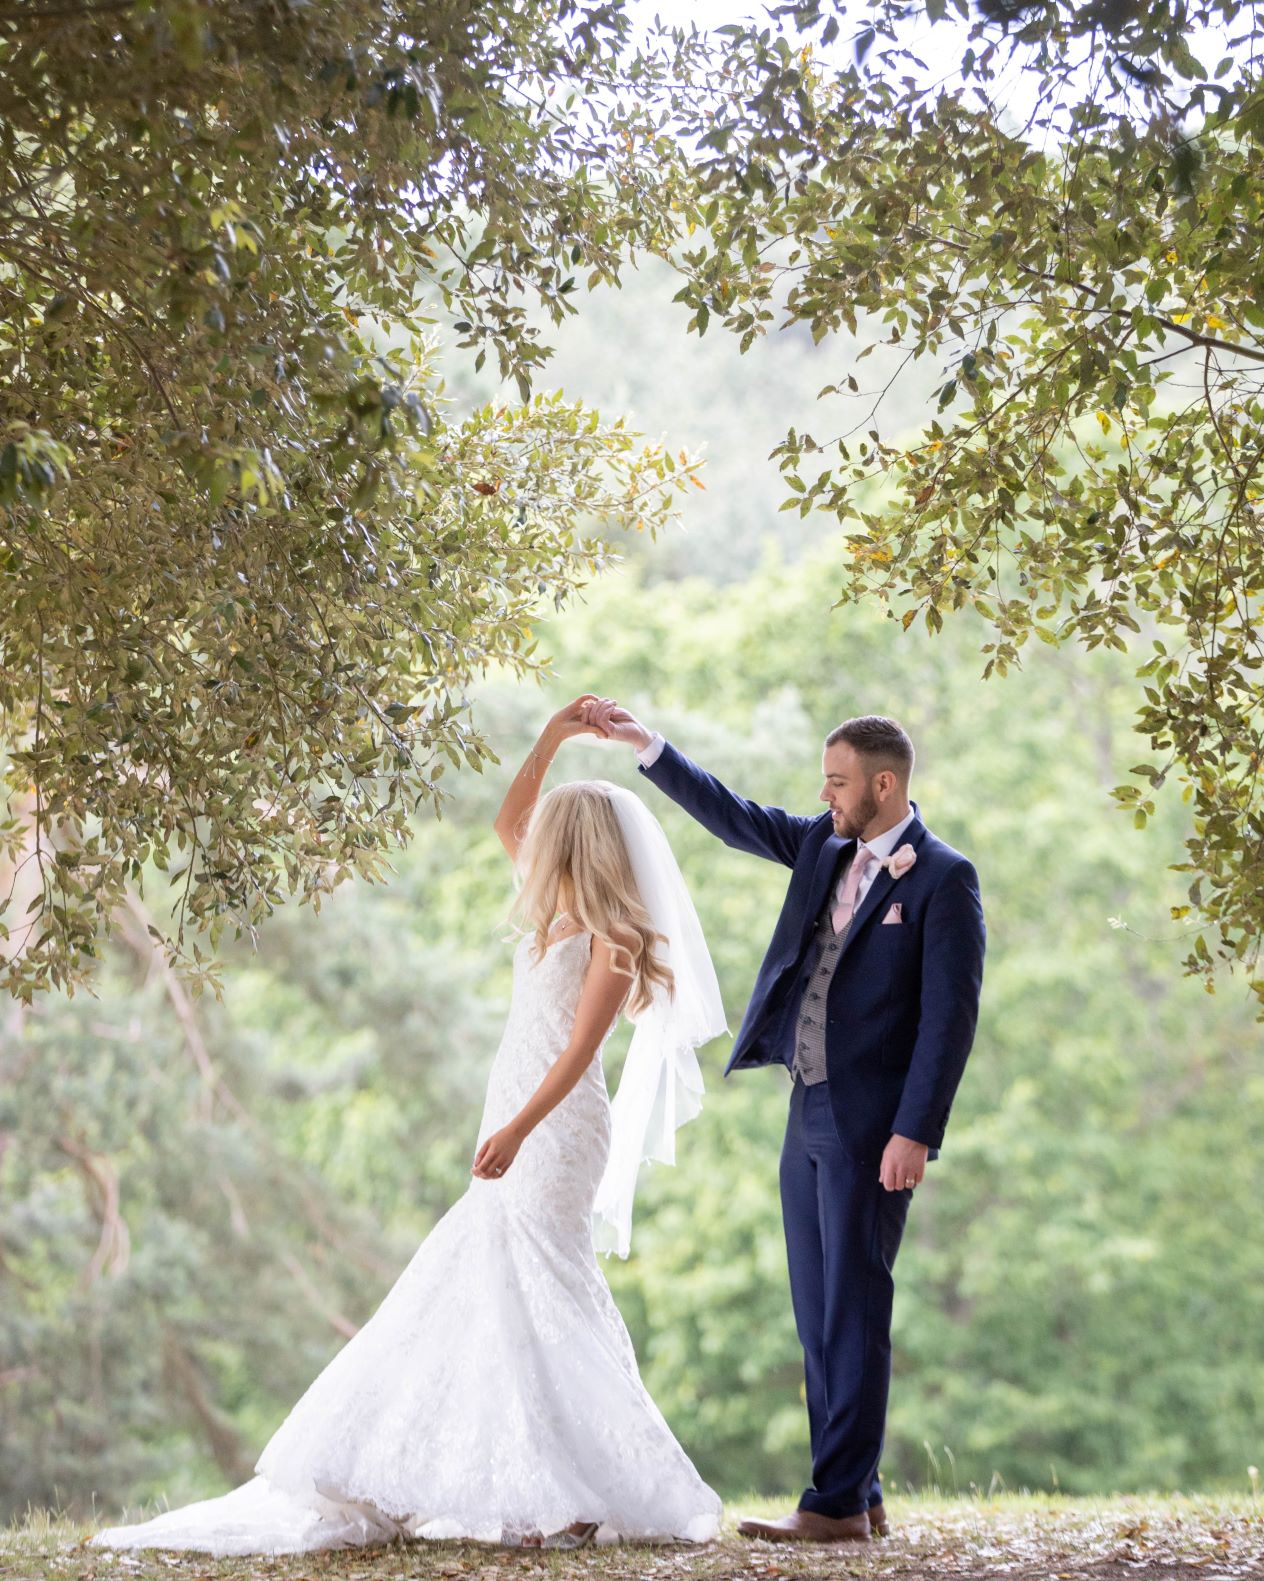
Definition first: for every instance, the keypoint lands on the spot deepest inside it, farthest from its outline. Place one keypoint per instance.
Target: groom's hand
(903, 1163)
(616, 722)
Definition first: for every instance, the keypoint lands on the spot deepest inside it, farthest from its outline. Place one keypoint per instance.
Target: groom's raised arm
(745, 825)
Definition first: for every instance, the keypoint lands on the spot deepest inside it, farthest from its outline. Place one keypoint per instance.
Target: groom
(868, 995)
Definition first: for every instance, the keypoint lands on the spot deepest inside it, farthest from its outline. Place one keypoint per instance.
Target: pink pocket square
(895, 913)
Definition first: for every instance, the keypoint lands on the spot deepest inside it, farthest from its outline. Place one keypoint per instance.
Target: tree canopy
(1061, 214)
(249, 560)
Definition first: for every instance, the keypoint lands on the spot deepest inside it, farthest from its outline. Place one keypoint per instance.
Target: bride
(494, 1394)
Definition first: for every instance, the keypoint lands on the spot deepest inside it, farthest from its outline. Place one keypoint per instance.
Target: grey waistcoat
(823, 954)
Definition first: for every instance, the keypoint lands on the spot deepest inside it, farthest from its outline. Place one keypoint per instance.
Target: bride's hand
(496, 1154)
(574, 719)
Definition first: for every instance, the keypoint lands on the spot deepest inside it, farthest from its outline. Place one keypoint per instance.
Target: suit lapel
(823, 877)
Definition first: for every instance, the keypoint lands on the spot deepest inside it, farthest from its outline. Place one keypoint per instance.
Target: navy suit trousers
(843, 1230)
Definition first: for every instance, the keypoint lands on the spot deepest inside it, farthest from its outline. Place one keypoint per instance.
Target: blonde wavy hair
(574, 834)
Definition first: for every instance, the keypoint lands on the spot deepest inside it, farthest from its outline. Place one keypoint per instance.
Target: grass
(1017, 1537)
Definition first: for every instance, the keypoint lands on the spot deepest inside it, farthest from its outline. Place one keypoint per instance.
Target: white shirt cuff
(648, 754)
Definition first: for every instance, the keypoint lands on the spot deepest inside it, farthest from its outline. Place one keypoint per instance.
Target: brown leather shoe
(806, 1526)
(878, 1521)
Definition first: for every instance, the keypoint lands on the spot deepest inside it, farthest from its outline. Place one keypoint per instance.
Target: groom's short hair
(880, 742)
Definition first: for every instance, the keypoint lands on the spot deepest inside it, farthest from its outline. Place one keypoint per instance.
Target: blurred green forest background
(200, 1201)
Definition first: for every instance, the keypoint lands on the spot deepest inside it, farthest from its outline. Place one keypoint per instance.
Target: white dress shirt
(881, 845)
(649, 752)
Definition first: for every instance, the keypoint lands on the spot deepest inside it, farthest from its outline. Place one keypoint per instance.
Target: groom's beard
(855, 824)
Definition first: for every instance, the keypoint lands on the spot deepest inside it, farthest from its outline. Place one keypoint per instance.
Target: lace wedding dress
(494, 1394)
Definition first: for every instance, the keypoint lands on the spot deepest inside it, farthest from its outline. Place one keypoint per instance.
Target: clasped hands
(604, 717)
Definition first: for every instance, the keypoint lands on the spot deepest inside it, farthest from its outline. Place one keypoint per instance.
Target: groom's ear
(890, 782)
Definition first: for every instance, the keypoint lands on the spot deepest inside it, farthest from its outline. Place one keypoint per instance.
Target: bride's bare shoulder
(605, 984)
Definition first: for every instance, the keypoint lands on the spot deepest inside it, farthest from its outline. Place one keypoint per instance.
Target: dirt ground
(1021, 1538)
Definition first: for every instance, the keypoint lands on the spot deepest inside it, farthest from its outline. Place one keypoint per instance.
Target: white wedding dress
(494, 1394)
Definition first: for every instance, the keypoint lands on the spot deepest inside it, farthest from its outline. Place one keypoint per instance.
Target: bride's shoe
(580, 1535)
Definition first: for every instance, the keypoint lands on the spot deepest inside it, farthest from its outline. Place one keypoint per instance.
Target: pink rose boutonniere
(899, 862)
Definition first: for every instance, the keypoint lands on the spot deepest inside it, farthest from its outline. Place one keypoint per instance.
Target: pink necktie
(847, 899)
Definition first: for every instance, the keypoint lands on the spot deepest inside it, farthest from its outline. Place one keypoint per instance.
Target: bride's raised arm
(522, 795)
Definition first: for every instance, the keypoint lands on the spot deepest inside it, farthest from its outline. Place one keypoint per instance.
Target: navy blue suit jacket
(904, 1000)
